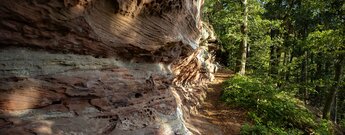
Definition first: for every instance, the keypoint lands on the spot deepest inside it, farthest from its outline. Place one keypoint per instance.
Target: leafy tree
(297, 44)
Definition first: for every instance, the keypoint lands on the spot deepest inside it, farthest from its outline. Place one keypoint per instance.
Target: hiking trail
(215, 117)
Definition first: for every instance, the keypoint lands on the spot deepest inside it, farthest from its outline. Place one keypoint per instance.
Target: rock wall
(101, 66)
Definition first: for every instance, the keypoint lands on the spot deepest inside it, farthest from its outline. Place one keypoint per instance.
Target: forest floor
(215, 117)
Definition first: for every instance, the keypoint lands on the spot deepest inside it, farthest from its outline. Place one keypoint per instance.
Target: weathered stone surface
(101, 66)
(103, 28)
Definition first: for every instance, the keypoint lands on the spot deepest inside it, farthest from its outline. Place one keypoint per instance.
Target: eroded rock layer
(101, 66)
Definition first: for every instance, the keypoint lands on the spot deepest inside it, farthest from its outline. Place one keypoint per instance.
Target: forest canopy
(291, 46)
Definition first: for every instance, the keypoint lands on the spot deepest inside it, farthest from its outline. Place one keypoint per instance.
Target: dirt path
(215, 118)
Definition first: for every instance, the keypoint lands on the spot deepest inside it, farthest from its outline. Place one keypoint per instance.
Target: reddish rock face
(101, 66)
(152, 29)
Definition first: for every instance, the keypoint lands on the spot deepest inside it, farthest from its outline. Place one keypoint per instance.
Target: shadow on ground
(215, 117)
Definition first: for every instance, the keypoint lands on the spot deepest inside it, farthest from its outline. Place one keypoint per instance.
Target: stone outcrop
(102, 66)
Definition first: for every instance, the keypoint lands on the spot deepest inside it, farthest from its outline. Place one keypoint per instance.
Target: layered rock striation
(102, 66)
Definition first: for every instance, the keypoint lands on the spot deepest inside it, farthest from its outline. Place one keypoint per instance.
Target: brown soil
(216, 118)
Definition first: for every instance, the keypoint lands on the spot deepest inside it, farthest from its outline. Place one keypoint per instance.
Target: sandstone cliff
(102, 66)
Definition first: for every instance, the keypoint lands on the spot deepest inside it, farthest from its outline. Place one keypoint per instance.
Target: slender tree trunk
(248, 54)
(272, 54)
(275, 52)
(274, 61)
(304, 73)
(277, 61)
(285, 58)
(333, 90)
(341, 104)
(285, 62)
(306, 94)
(242, 55)
(287, 77)
(312, 71)
(334, 110)
(317, 96)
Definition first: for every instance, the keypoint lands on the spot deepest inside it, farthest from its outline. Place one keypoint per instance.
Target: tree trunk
(273, 68)
(304, 77)
(334, 109)
(316, 97)
(287, 76)
(333, 90)
(341, 104)
(305, 80)
(285, 59)
(242, 55)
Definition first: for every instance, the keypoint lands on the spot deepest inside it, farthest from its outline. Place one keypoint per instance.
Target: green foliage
(226, 16)
(342, 123)
(297, 44)
(327, 41)
(260, 129)
(272, 111)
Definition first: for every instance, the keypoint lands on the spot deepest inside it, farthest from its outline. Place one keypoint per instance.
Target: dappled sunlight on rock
(42, 127)
(26, 98)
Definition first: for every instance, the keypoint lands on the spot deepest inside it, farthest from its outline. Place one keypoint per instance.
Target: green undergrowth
(271, 110)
